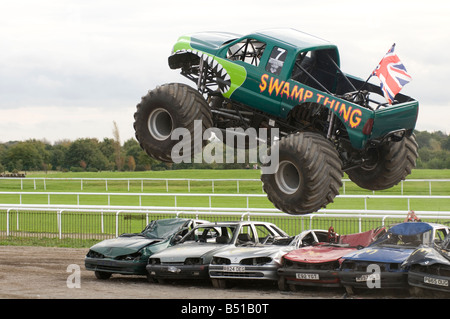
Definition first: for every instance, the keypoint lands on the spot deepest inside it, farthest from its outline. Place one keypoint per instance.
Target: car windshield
(162, 228)
(392, 239)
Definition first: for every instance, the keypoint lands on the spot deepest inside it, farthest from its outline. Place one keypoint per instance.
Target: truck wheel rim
(288, 177)
(160, 124)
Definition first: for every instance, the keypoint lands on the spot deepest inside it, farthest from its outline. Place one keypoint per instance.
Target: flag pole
(371, 74)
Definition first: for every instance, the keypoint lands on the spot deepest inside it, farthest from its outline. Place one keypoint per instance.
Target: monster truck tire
(164, 109)
(395, 160)
(308, 176)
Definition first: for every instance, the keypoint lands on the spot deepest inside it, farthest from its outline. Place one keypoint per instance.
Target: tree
(24, 156)
(87, 151)
(117, 149)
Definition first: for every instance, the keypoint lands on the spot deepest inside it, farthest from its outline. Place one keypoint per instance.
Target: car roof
(409, 228)
(294, 38)
(233, 223)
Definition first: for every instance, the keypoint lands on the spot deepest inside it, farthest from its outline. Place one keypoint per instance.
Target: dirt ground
(51, 273)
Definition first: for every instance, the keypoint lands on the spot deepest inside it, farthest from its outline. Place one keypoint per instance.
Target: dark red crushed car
(318, 265)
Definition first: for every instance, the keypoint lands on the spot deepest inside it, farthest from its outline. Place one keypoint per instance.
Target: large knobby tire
(393, 162)
(165, 109)
(309, 174)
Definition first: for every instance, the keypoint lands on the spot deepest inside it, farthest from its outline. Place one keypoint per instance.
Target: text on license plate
(234, 268)
(435, 281)
(368, 277)
(307, 276)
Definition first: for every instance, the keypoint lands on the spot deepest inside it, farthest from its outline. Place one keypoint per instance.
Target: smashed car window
(162, 228)
(210, 234)
(245, 236)
(248, 50)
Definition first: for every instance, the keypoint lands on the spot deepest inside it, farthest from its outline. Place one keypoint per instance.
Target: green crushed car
(288, 82)
(128, 254)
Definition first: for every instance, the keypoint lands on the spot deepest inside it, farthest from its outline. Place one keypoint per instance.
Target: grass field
(134, 182)
(103, 183)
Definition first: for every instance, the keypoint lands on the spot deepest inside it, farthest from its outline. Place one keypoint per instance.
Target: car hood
(380, 254)
(235, 254)
(123, 245)
(427, 256)
(209, 41)
(318, 254)
(180, 252)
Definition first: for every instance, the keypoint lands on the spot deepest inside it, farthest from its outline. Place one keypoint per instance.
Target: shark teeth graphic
(221, 74)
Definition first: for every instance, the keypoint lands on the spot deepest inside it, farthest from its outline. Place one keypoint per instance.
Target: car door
(259, 90)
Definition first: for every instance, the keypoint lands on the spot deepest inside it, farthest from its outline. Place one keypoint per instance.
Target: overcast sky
(68, 69)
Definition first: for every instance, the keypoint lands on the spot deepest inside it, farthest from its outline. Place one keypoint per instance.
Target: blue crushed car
(380, 265)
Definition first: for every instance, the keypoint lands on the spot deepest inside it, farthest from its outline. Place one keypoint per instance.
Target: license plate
(234, 268)
(435, 281)
(368, 277)
(307, 276)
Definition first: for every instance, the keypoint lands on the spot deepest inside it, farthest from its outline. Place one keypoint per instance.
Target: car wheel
(219, 283)
(165, 109)
(102, 275)
(308, 176)
(282, 285)
(349, 290)
(151, 279)
(390, 163)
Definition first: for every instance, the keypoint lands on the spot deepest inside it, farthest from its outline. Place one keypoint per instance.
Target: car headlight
(220, 261)
(131, 257)
(257, 261)
(94, 254)
(193, 261)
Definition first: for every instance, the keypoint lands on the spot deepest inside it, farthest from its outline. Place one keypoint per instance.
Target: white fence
(50, 195)
(106, 221)
(12, 218)
(166, 182)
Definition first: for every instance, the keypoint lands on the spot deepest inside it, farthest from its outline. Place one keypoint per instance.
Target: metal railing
(92, 222)
(167, 181)
(176, 196)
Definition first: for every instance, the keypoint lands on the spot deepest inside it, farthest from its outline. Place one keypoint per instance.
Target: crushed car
(380, 264)
(128, 253)
(190, 259)
(318, 265)
(429, 268)
(260, 260)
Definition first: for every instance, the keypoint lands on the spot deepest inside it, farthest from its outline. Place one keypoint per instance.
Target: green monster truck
(328, 122)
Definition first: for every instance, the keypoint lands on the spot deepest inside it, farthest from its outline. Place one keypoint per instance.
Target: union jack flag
(392, 74)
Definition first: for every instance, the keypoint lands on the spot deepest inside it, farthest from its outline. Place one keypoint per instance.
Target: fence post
(59, 217)
(102, 222)
(7, 222)
(359, 224)
(117, 223)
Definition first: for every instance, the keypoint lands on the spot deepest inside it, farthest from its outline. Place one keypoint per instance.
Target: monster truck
(328, 122)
